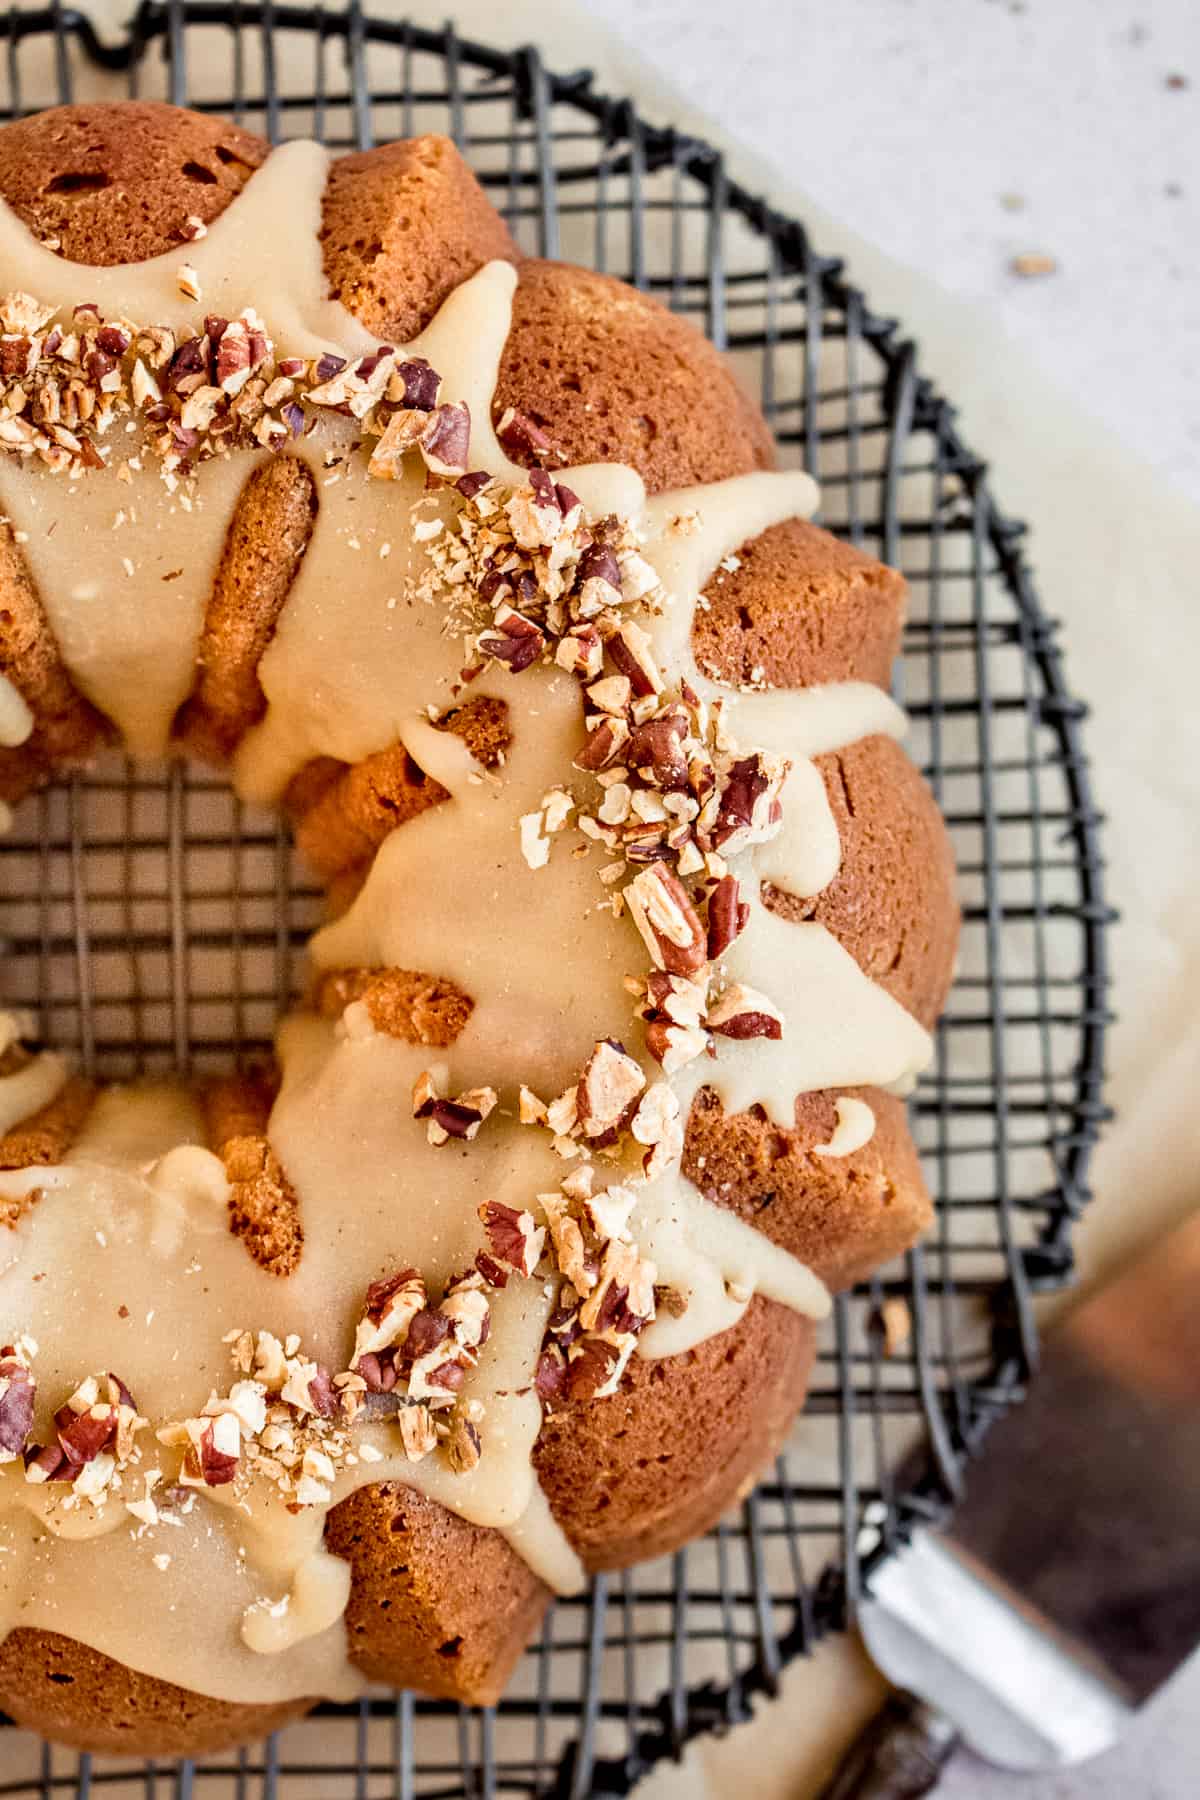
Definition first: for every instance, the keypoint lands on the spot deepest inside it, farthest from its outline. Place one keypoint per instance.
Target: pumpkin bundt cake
(507, 1267)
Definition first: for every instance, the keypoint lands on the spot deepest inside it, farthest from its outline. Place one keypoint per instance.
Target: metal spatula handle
(898, 1756)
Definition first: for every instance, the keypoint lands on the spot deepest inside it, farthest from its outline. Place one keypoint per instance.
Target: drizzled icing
(28, 1089)
(855, 1127)
(16, 720)
(127, 1260)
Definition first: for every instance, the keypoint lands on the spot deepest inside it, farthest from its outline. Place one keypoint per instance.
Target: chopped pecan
(605, 745)
(633, 654)
(670, 926)
(656, 750)
(459, 1118)
(446, 440)
(469, 486)
(611, 694)
(591, 1368)
(18, 1391)
(402, 433)
(742, 1012)
(610, 1210)
(728, 916)
(521, 435)
(581, 652)
(552, 1379)
(750, 810)
(218, 1450)
(514, 640)
(417, 1432)
(611, 1081)
(463, 1445)
(513, 1236)
(598, 579)
(420, 384)
(390, 1307)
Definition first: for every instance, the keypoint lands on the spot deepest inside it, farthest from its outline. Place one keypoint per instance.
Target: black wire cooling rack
(152, 922)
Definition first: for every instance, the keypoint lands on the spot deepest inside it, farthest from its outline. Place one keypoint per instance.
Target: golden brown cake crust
(437, 1603)
(63, 1690)
(402, 226)
(342, 814)
(612, 376)
(268, 535)
(655, 1464)
(67, 730)
(417, 1009)
(47, 1135)
(263, 1209)
(842, 1215)
(802, 607)
(105, 184)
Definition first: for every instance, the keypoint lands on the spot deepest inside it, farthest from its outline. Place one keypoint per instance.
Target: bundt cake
(506, 1268)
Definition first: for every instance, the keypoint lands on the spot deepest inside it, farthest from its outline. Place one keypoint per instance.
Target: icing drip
(355, 658)
(28, 1089)
(14, 1027)
(855, 1127)
(128, 1260)
(16, 720)
(135, 662)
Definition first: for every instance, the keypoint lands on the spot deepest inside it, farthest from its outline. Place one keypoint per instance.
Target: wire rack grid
(152, 922)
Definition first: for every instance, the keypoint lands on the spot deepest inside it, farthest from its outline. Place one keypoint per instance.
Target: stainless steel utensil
(1067, 1588)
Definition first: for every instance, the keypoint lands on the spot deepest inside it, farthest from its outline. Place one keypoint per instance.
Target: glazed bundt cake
(506, 1268)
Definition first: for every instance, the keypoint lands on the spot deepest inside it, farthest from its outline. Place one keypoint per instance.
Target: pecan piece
(611, 694)
(513, 1236)
(667, 920)
(463, 1446)
(390, 1307)
(420, 384)
(403, 432)
(551, 1380)
(750, 810)
(656, 751)
(459, 1118)
(446, 440)
(591, 1368)
(610, 1083)
(605, 745)
(633, 654)
(520, 435)
(513, 639)
(18, 1391)
(728, 915)
(580, 652)
(218, 1449)
(417, 1432)
(742, 1012)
